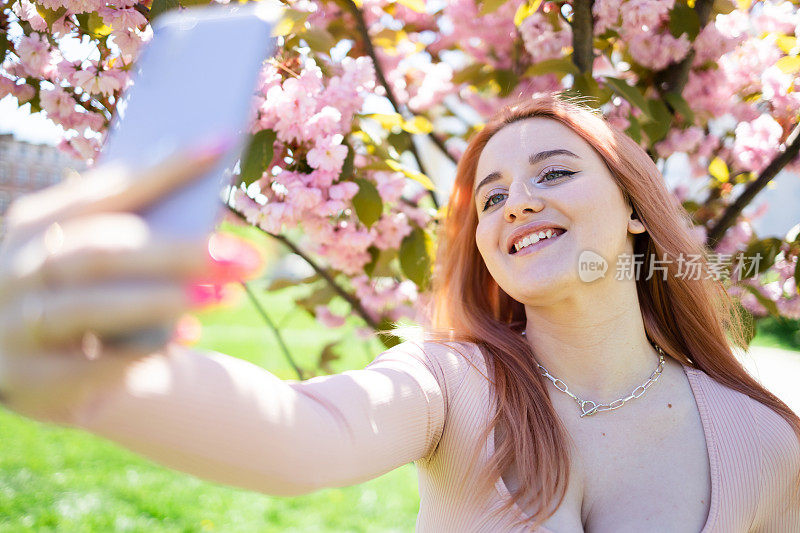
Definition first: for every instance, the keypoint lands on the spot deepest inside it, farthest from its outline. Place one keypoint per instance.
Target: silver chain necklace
(588, 407)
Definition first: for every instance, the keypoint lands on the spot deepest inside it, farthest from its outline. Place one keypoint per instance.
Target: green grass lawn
(59, 479)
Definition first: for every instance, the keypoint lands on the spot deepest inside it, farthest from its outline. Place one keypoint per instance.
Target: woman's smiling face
(537, 170)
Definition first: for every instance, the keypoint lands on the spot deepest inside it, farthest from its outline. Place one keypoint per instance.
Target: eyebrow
(533, 160)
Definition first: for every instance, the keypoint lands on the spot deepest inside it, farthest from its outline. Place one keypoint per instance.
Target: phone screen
(193, 81)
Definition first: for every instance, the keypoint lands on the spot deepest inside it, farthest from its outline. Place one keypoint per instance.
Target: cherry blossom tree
(350, 191)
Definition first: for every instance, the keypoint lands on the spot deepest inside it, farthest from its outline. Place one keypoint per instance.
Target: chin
(533, 285)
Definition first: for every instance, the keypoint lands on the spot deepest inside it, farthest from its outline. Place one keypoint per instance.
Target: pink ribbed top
(232, 422)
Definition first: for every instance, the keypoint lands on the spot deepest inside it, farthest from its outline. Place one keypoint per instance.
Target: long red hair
(696, 322)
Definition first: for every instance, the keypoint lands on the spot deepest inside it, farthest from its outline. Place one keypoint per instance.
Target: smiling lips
(532, 237)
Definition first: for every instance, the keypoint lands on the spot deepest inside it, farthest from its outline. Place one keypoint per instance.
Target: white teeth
(533, 239)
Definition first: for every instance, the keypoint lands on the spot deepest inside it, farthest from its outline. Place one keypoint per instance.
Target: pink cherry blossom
(389, 231)
(328, 154)
(35, 54)
(680, 140)
(58, 104)
(26, 10)
(542, 41)
(606, 15)
(757, 142)
(776, 17)
(6, 86)
(659, 50)
(328, 319)
(343, 191)
(97, 81)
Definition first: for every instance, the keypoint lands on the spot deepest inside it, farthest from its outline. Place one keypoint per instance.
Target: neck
(598, 347)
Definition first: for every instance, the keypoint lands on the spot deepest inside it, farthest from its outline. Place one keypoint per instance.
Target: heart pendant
(588, 408)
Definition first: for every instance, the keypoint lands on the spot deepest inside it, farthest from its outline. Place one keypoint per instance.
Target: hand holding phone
(93, 271)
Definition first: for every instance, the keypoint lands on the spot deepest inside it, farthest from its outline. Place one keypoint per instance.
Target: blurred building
(26, 167)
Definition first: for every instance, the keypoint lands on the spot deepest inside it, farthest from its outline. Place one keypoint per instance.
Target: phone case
(193, 82)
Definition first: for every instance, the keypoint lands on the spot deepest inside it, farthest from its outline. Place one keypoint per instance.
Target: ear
(634, 224)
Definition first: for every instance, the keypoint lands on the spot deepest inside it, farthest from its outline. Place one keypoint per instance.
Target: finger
(113, 187)
(100, 248)
(61, 318)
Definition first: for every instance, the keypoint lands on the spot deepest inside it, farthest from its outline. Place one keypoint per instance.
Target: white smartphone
(193, 81)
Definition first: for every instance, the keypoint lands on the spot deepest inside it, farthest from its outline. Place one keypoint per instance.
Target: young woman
(540, 400)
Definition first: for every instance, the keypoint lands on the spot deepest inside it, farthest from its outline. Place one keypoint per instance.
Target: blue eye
(564, 172)
(491, 200)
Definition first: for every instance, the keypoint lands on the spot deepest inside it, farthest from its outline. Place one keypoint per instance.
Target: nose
(523, 200)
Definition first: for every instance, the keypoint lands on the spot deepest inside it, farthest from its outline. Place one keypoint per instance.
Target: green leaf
(584, 84)
(684, 19)
(632, 94)
(723, 7)
(3, 45)
(788, 64)
(367, 202)
(92, 24)
(634, 130)
(160, 6)
(387, 120)
(326, 356)
(560, 65)
(379, 265)
(401, 141)
(291, 21)
(258, 156)
(797, 276)
(282, 283)
(680, 105)
(525, 10)
(387, 339)
(419, 177)
(318, 39)
(415, 5)
(475, 74)
(348, 166)
(506, 81)
(321, 296)
(419, 125)
(719, 170)
(660, 121)
(765, 249)
(490, 6)
(50, 15)
(415, 257)
(771, 307)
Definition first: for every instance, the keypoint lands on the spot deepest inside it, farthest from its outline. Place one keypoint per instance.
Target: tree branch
(361, 25)
(274, 328)
(789, 151)
(583, 35)
(674, 76)
(324, 274)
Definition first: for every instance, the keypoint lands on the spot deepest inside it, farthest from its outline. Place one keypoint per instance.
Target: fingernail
(203, 294)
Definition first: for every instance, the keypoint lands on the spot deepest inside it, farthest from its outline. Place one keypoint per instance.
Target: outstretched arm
(229, 421)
